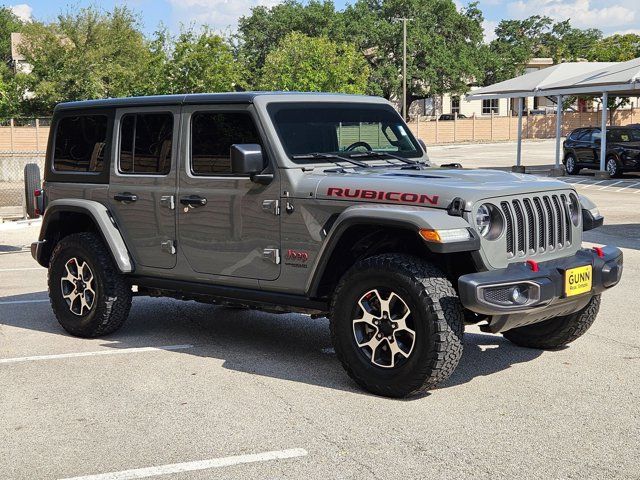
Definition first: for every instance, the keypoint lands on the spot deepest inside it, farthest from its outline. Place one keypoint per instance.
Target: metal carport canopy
(577, 78)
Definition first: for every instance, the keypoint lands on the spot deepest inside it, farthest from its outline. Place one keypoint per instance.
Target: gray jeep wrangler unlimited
(314, 203)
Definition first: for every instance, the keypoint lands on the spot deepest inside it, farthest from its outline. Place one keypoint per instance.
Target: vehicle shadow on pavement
(625, 235)
(485, 354)
(287, 346)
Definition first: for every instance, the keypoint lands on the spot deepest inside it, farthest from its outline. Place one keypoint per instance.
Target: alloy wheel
(77, 286)
(571, 164)
(383, 328)
(612, 167)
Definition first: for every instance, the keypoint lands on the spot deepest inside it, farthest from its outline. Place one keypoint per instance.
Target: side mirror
(423, 145)
(247, 159)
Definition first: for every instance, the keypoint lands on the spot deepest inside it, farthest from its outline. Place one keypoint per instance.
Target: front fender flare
(409, 217)
(103, 222)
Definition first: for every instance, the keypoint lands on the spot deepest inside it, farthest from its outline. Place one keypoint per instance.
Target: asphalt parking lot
(192, 391)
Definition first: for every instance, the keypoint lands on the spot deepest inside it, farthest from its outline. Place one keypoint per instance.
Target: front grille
(536, 224)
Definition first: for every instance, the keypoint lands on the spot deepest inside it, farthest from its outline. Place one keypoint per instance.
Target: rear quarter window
(79, 145)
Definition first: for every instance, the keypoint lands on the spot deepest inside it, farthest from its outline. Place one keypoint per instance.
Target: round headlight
(483, 219)
(489, 221)
(574, 209)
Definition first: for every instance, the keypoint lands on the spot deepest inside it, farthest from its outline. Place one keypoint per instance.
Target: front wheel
(89, 296)
(556, 332)
(571, 166)
(397, 325)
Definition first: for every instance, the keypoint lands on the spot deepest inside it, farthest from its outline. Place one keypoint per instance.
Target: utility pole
(404, 65)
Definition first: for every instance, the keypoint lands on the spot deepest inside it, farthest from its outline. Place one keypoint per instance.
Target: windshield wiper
(329, 156)
(372, 153)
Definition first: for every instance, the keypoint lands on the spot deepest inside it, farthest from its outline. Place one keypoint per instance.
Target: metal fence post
(491, 124)
(455, 126)
(473, 128)
(11, 136)
(437, 129)
(38, 134)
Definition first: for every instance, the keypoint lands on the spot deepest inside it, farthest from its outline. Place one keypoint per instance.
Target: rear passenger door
(232, 226)
(143, 182)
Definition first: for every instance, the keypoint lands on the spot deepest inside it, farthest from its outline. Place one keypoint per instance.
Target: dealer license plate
(578, 280)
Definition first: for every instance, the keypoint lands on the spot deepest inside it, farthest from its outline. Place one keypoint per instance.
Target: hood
(431, 187)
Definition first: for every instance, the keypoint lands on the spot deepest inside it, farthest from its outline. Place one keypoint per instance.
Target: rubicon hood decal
(401, 197)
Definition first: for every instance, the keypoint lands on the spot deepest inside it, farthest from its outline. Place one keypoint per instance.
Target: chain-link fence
(22, 141)
(12, 183)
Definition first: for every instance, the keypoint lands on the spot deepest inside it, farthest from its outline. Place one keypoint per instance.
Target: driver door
(227, 224)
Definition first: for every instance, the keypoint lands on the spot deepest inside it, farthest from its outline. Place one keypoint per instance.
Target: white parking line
(610, 185)
(596, 183)
(115, 351)
(628, 186)
(18, 302)
(198, 465)
(21, 269)
(577, 181)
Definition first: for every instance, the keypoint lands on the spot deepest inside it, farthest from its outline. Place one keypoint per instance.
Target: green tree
(517, 41)
(443, 45)
(9, 23)
(259, 32)
(199, 62)
(616, 48)
(308, 64)
(85, 54)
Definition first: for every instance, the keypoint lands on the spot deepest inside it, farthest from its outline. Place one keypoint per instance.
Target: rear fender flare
(102, 220)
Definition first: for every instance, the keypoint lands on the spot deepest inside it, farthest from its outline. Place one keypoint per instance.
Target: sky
(610, 16)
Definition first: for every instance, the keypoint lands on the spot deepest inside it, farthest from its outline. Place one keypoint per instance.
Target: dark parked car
(582, 149)
(450, 116)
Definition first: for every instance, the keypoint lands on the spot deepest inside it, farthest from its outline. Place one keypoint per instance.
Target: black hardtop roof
(182, 99)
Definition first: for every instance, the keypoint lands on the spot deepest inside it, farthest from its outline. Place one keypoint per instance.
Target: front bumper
(489, 293)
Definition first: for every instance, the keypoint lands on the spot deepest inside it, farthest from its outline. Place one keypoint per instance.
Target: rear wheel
(90, 298)
(613, 168)
(557, 332)
(571, 166)
(397, 325)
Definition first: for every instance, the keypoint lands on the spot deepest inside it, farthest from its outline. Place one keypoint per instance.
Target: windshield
(342, 128)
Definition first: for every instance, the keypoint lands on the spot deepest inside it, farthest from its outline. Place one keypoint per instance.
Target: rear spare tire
(31, 182)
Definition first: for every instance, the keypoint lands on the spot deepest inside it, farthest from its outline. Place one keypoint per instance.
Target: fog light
(519, 296)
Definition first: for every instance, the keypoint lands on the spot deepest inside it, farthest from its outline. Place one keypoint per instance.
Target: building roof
(531, 83)
(201, 98)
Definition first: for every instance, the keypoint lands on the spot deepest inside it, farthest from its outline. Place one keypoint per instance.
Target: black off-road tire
(437, 315)
(556, 332)
(31, 182)
(112, 290)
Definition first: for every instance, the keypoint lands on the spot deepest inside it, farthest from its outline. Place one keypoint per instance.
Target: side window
(80, 144)
(146, 143)
(595, 135)
(212, 134)
(576, 134)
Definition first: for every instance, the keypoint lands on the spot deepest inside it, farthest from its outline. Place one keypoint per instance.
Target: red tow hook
(599, 251)
(533, 265)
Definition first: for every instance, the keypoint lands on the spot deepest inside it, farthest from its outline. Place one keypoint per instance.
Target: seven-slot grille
(537, 224)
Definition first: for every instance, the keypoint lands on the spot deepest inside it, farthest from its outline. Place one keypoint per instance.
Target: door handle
(125, 197)
(193, 201)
